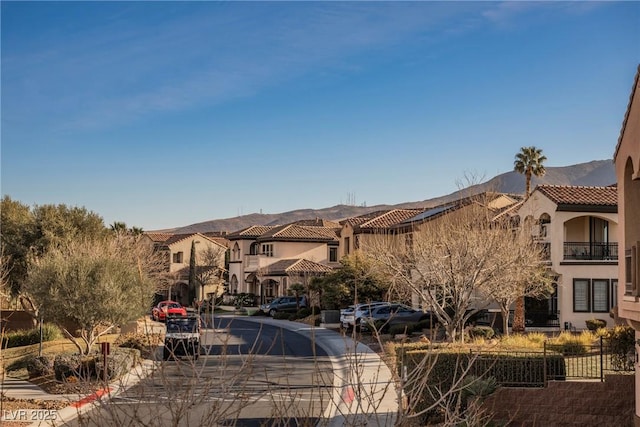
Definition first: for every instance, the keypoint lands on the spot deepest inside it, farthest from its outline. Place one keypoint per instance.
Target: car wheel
(166, 354)
(272, 312)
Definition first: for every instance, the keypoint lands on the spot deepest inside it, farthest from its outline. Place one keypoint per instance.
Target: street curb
(348, 355)
(82, 405)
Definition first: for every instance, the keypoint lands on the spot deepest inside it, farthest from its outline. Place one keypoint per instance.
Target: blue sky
(164, 114)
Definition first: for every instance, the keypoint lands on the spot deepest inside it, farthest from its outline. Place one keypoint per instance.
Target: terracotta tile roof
(167, 239)
(219, 240)
(159, 237)
(178, 237)
(289, 266)
(567, 195)
(297, 232)
(318, 222)
(483, 199)
(381, 219)
(249, 232)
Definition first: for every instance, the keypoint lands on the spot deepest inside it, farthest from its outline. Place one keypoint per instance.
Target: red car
(160, 312)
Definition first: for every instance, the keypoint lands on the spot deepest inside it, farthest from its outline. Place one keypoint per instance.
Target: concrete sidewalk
(22, 389)
(76, 403)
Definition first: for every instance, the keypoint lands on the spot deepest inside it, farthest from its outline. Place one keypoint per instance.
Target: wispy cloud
(124, 69)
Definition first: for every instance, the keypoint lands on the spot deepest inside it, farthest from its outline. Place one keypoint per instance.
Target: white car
(351, 316)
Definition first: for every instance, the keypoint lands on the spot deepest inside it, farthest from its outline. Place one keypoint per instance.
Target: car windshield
(174, 305)
(182, 325)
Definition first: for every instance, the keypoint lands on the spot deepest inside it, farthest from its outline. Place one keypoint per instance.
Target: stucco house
(627, 164)
(267, 260)
(358, 231)
(210, 260)
(578, 228)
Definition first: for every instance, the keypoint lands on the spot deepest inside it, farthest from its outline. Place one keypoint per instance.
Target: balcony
(545, 247)
(590, 251)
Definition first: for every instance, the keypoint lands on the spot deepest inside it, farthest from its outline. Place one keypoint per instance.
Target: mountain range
(594, 173)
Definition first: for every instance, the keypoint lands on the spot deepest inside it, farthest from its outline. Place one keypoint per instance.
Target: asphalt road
(248, 374)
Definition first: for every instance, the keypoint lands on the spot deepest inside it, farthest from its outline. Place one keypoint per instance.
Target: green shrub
(119, 362)
(441, 367)
(282, 315)
(304, 312)
(21, 338)
(474, 386)
(595, 324)
(66, 366)
(485, 332)
(144, 343)
(621, 343)
(39, 366)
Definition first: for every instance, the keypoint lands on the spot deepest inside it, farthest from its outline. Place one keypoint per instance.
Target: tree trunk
(518, 316)
(505, 320)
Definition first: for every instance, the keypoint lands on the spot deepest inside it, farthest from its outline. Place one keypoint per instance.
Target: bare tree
(210, 268)
(454, 262)
(94, 285)
(528, 276)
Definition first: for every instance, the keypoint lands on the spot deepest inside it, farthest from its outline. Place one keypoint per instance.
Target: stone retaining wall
(567, 403)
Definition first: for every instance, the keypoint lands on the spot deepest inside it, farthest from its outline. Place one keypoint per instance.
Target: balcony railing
(593, 251)
(546, 250)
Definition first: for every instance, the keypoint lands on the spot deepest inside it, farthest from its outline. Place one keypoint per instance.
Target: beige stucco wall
(570, 226)
(312, 251)
(184, 246)
(627, 164)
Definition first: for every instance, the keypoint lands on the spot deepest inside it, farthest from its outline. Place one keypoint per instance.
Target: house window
(545, 220)
(614, 292)
(236, 252)
(333, 254)
(581, 300)
(347, 243)
(267, 249)
(600, 295)
(253, 249)
(356, 242)
(178, 257)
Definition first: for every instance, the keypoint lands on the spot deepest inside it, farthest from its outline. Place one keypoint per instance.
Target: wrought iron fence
(554, 362)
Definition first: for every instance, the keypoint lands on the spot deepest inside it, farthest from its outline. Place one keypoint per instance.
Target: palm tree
(529, 161)
(119, 227)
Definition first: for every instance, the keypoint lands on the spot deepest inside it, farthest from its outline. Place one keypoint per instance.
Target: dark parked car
(392, 314)
(283, 304)
(182, 337)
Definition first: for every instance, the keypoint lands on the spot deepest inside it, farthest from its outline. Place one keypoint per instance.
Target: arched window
(236, 252)
(544, 222)
(234, 284)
